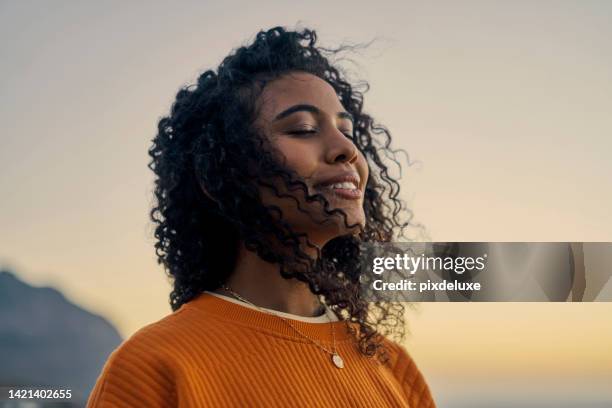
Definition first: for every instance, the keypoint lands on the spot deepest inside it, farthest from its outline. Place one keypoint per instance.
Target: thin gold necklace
(335, 357)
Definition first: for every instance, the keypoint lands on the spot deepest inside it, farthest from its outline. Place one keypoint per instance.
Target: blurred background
(504, 107)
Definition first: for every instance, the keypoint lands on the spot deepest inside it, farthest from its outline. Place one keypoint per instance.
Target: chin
(354, 217)
(325, 227)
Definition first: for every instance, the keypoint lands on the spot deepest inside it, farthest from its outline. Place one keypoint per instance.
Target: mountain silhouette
(45, 340)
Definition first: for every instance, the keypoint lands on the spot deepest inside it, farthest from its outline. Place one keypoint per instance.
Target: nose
(340, 149)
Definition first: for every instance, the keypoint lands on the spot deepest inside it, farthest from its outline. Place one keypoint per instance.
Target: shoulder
(400, 360)
(143, 370)
(169, 333)
(409, 376)
(158, 342)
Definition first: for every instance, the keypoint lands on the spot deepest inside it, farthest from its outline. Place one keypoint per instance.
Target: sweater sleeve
(410, 378)
(135, 375)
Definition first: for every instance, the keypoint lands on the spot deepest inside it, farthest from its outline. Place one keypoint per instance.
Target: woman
(268, 179)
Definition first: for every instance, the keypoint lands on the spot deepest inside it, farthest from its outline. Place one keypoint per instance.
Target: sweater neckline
(240, 314)
(324, 318)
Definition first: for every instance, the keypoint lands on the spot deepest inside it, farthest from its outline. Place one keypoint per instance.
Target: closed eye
(302, 132)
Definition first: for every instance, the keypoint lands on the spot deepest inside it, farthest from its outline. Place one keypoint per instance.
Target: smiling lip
(340, 185)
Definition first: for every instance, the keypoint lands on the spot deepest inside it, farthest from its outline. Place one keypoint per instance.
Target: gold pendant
(337, 360)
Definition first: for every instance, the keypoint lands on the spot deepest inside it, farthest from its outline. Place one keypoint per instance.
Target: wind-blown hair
(210, 163)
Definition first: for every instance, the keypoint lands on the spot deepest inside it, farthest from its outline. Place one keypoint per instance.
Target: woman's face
(304, 119)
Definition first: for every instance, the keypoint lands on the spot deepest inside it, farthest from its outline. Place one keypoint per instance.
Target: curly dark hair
(210, 162)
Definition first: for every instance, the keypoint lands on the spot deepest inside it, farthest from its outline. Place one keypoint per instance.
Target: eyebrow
(311, 109)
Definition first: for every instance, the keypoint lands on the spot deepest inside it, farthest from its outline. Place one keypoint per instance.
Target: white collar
(324, 318)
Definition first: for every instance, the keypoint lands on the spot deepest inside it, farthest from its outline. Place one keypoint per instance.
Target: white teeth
(344, 185)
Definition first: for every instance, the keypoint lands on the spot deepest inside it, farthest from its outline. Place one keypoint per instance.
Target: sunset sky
(506, 107)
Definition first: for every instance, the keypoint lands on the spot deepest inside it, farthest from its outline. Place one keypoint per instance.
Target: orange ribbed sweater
(215, 353)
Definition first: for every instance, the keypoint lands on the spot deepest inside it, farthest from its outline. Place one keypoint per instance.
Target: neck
(260, 283)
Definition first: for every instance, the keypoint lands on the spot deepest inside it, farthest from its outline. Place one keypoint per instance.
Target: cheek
(362, 167)
(298, 156)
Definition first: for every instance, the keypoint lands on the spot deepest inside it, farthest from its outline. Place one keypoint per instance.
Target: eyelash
(311, 131)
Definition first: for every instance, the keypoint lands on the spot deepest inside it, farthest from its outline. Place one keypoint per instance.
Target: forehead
(298, 88)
